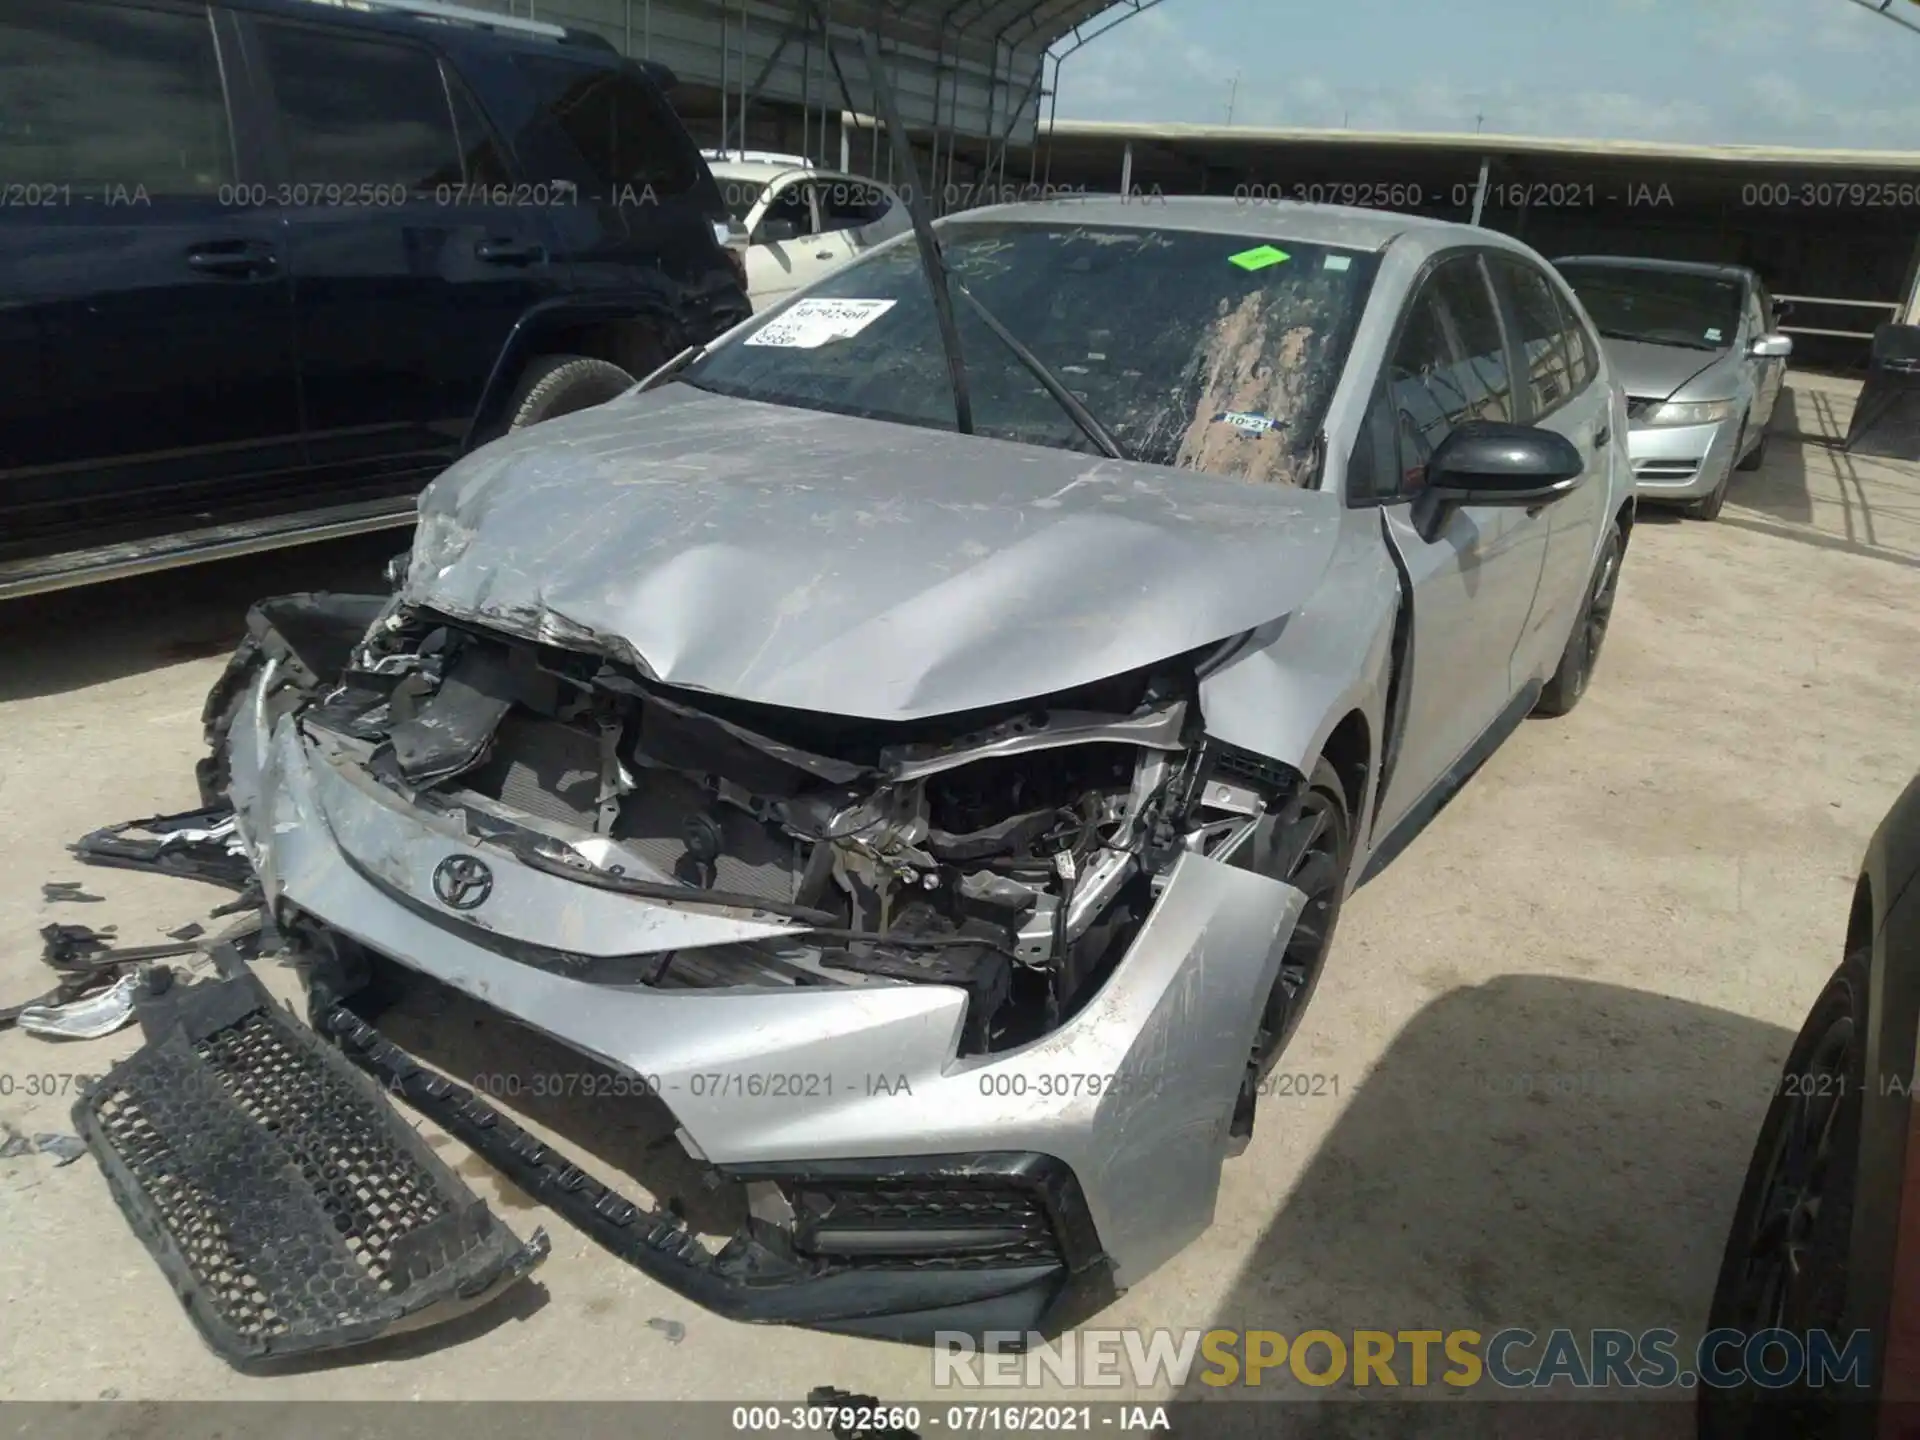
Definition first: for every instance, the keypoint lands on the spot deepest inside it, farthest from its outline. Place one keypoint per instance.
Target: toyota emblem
(462, 882)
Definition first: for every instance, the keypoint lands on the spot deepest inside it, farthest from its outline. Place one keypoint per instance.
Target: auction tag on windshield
(1259, 258)
(809, 324)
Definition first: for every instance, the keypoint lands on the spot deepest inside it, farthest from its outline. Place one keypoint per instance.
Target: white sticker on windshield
(809, 324)
(1336, 262)
(1713, 335)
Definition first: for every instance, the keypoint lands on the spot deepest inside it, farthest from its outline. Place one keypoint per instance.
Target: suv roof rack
(468, 15)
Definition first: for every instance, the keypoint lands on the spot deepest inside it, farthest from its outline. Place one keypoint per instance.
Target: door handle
(510, 252)
(240, 259)
(1602, 437)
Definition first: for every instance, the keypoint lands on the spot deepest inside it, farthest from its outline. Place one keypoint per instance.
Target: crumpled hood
(804, 559)
(1656, 371)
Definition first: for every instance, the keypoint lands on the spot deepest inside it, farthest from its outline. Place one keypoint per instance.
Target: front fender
(1289, 684)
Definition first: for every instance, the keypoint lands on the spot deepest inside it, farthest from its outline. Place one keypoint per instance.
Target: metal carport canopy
(972, 68)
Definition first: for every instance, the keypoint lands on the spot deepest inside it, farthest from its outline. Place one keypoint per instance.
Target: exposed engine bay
(1013, 853)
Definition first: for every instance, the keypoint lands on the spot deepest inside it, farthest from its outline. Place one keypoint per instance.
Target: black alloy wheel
(1310, 847)
(1785, 1264)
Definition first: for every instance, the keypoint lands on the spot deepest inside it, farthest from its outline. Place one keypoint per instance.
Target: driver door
(1474, 581)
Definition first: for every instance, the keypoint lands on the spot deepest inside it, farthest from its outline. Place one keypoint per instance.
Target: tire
(557, 385)
(1309, 845)
(1570, 679)
(1708, 507)
(1758, 457)
(1807, 1156)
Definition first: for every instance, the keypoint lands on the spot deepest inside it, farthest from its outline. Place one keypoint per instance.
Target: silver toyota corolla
(928, 745)
(1695, 348)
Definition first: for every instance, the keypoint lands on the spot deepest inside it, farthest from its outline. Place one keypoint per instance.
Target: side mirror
(776, 232)
(1487, 462)
(1771, 347)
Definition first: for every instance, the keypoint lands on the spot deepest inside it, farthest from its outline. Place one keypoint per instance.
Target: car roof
(1649, 262)
(1342, 226)
(465, 24)
(759, 172)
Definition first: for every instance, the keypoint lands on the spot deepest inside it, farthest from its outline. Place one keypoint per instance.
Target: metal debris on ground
(97, 986)
(65, 1149)
(192, 930)
(197, 844)
(87, 1018)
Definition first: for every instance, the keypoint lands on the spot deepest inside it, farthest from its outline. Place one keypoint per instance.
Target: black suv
(267, 266)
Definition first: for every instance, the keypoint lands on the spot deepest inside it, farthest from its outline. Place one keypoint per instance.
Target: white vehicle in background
(798, 222)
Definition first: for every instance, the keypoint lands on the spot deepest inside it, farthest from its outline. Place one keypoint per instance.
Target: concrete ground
(1548, 1031)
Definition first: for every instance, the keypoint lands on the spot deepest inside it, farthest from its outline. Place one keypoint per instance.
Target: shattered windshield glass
(1195, 350)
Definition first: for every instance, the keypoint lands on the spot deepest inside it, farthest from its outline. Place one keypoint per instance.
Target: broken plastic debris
(56, 892)
(1259, 258)
(87, 1019)
(65, 1149)
(672, 1329)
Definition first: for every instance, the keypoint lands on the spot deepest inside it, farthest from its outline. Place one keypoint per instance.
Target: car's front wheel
(1785, 1264)
(1570, 679)
(1309, 845)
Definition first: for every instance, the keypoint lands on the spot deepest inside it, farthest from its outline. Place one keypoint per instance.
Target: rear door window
(106, 99)
(359, 111)
(630, 140)
(1541, 341)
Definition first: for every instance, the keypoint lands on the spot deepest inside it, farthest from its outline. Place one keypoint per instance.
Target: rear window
(93, 98)
(1200, 351)
(630, 139)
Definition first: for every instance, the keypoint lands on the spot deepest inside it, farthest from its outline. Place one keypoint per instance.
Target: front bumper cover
(1682, 462)
(1127, 1104)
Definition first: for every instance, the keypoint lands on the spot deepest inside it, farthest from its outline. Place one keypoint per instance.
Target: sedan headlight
(1688, 412)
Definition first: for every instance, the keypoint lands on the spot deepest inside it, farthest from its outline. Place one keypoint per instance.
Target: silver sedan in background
(1695, 347)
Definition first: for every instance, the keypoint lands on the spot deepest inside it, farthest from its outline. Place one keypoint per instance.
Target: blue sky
(1765, 72)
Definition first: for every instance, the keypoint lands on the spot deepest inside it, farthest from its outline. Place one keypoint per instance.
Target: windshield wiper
(931, 259)
(942, 283)
(1657, 340)
(1049, 381)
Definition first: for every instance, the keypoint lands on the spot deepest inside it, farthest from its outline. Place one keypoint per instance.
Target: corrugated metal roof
(970, 67)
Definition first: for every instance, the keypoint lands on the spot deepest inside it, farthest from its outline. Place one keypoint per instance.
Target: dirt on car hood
(853, 567)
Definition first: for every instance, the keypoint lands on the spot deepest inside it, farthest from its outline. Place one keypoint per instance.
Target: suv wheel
(561, 384)
(1759, 455)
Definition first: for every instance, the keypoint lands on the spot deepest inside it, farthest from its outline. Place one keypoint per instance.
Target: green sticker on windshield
(1258, 258)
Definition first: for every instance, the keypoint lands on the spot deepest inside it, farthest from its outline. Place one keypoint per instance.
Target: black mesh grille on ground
(291, 1207)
